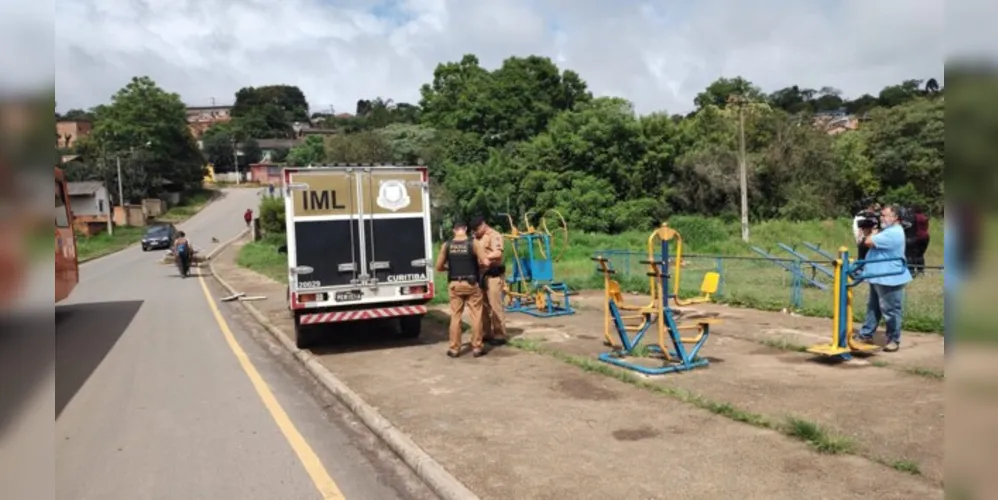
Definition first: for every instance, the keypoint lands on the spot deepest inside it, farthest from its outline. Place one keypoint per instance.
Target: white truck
(358, 246)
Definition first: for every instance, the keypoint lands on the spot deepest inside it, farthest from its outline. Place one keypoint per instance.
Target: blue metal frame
(803, 259)
(531, 274)
(794, 270)
(817, 249)
(687, 359)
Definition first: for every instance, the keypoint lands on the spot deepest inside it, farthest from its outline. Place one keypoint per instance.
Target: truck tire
(411, 326)
(304, 334)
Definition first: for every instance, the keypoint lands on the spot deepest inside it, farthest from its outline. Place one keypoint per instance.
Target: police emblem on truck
(392, 195)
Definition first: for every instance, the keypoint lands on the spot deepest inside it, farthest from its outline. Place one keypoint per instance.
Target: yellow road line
(325, 484)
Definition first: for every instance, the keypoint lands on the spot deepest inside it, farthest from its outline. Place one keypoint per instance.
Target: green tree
(221, 141)
(896, 95)
(310, 152)
(719, 92)
(513, 103)
(269, 111)
(362, 147)
(217, 147)
(906, 144)
(146, 127)
(409, 144)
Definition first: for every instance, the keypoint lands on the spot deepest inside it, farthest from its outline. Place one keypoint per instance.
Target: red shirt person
(248, 216)
(921, 243)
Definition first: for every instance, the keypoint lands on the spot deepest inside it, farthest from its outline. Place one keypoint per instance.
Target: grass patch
(783, 345)
(912, 370)
(262, 257)
(817, 437)
(99, 245)
(906, 466)
(748, 280)
(925, 372)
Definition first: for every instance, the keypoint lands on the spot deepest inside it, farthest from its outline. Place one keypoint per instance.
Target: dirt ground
(515, 424)
(892, 414)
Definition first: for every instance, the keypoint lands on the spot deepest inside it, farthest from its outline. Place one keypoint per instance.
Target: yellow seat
(708, 287)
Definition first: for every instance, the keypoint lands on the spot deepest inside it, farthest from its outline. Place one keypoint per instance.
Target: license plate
(348, 296)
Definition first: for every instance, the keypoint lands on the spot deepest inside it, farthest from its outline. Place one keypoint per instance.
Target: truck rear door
(324, 225)
(396, 225)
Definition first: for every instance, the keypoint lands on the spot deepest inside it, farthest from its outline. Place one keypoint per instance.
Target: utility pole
(121, 196)
(107, 192)
(739, 100)
(235, 159)
(744, 172)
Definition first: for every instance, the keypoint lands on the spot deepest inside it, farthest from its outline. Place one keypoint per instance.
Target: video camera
(868, 219)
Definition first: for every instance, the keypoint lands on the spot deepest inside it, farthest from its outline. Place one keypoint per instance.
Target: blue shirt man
(887, 280)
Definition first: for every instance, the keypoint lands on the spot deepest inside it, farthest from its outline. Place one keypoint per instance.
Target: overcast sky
(658, 54)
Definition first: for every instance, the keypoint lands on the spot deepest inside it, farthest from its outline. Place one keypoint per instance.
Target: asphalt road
(153, 400)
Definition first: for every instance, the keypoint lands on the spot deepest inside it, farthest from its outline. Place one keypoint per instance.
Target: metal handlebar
(860, 277)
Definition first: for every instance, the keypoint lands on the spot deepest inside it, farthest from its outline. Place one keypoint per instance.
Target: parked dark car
(159, 237)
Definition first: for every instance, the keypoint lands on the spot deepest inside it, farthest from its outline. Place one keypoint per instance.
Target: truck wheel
(411, 326)
(303, 334)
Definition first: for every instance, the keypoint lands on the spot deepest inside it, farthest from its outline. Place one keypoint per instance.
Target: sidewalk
(515, 424)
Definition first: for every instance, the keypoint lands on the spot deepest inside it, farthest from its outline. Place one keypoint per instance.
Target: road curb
(442, 482)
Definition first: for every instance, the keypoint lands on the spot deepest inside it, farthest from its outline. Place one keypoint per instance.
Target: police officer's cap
(476, 222)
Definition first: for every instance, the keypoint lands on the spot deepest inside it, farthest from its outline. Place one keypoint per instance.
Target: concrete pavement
(155, 400)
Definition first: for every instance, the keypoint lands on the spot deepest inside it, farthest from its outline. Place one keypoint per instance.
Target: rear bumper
(155, 245)
(374, 313)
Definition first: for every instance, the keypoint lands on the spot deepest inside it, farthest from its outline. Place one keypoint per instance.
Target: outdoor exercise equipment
(670, 345)
(531, 287)
(846, 276)
(794, 267)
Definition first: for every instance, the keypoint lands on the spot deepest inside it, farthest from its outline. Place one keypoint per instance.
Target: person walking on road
(490, 244)
(459, 257)
(887, 279)
(248, 216)
(183, 253)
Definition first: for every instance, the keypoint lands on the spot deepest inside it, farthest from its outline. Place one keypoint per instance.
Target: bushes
(272, 216)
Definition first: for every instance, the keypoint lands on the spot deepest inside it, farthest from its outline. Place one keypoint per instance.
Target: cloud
(658, 54)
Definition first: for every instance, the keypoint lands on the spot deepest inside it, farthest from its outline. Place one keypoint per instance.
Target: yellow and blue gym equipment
(657, 312)
(847, 274)
(531, 287)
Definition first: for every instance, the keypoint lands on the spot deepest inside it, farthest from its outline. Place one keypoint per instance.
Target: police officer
(490, 244)
(459, 258)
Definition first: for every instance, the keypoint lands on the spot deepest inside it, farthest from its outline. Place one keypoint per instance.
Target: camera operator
(864, 223)
(886, 292)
